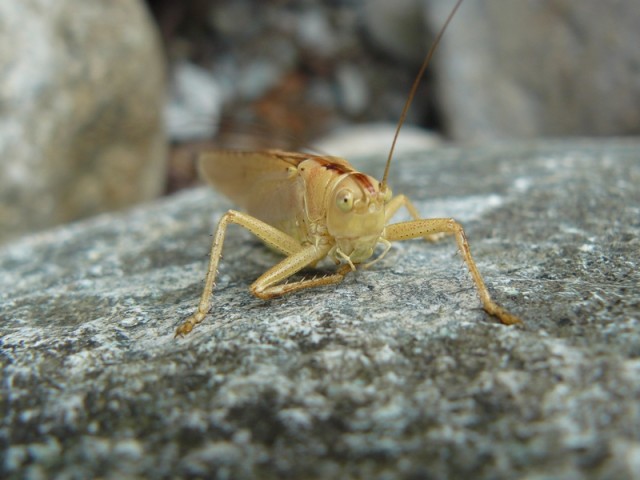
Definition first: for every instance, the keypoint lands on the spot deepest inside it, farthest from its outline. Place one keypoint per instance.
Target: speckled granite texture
(395, 373)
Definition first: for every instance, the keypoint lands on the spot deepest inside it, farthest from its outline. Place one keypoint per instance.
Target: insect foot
(501, 314)
(189, 323)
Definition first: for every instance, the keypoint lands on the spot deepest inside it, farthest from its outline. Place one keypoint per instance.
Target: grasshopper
(309, 207)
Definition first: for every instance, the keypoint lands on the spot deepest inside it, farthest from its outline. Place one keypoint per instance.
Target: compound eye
(344, 200)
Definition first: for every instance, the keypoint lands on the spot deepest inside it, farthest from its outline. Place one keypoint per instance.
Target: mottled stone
(528, 68)
(194, 104)
(397, 28)
(81, 98)
(395, 373)
(370, 139)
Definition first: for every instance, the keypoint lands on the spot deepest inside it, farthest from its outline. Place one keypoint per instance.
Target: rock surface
(81, 98)
(396, 373)
(529, 69)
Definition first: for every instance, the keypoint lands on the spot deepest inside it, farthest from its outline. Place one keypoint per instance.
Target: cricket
(309, 207)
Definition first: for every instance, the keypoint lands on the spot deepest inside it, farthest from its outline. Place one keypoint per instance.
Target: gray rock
(395, 373)
(81, 95)
(315, 32)
(354, 91)
(526, 69)
(194, 105)
(372, 138)
(398, 28)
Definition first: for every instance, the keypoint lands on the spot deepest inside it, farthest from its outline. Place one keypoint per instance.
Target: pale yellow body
(294, 193)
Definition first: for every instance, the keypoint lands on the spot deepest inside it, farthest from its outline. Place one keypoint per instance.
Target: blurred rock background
(81, 100)
(531, 69)
(82, 85)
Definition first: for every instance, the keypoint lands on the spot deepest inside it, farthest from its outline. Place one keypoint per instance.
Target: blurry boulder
(528, 69)
(194, 104)
(81, 96)
(397, 28)
(375, 139)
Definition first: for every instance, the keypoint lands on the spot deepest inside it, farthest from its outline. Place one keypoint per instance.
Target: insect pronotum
(309, 207)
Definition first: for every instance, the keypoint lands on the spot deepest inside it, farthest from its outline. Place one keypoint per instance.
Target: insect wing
(264, 184)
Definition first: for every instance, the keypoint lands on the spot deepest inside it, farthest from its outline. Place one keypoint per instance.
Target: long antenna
(416, 82)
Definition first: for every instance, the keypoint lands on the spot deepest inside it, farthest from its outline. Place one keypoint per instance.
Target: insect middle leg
(420, 228)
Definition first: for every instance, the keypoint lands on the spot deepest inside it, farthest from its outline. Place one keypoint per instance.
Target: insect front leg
(271, 236)
(420, 228)
(269, 286)
(400, 201)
